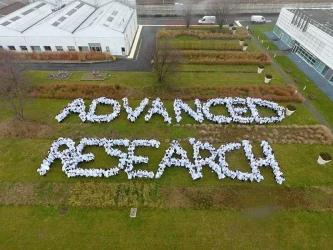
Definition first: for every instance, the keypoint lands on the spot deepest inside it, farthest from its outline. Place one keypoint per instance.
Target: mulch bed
(94, 76)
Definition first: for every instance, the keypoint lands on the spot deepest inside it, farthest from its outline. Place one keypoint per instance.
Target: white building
(77, 26)
(309, 34)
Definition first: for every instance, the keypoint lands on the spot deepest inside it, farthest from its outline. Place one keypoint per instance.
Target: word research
(73, 155)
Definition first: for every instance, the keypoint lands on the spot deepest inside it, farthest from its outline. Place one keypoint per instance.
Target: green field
(174, 212)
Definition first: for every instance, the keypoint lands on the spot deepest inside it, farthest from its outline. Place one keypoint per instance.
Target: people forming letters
(73, 155)
(240, 110)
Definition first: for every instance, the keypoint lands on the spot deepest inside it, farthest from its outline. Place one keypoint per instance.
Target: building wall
(130, 32)
(48, 35)
(313, 39)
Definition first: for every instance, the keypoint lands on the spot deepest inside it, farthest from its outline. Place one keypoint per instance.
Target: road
(271, 18)
(143, 53)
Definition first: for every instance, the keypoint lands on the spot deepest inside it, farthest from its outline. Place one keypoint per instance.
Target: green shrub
(326, 156)
(291, 107)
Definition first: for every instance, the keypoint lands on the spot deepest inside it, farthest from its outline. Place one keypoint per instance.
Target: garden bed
(94, 76)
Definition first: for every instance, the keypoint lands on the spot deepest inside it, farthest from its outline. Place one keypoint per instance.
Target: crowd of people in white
(72, 156)
(241, 110)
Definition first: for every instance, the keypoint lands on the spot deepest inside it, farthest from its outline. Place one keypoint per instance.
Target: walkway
(288, 80)
(313, 75)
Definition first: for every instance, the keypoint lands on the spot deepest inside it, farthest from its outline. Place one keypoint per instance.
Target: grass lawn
(180, 80)
(321, 103)
(43, 227)
(174, 212)
(259, 30)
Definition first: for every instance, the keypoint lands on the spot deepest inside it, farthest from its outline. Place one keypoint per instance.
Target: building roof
(70, 17)
(22, 19)
(114, 15)
(11, 8)
(322, 16)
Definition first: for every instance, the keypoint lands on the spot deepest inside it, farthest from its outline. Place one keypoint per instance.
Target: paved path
(288, 80)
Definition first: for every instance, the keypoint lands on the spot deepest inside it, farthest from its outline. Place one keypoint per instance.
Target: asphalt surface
(140, 62)
(143, 53)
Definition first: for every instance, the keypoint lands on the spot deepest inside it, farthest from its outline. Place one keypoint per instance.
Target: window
(71, 48)
(83, 48)
(331, 79)
(11, 47)
(23, 48)
(35, 48)
(1, 48)
(47, 48)
(59, 48)
(107, 48)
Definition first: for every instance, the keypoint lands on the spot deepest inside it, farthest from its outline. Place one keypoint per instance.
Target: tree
(222, 10)
(14, 85)
(187, 12)
(166, 60)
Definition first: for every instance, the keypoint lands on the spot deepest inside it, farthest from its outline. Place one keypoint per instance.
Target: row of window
(58, 48)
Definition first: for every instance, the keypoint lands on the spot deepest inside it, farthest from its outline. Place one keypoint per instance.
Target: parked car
(207, 20)
(258, 19)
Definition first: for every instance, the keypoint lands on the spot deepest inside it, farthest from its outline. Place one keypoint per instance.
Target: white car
(207, 20)
(258, 19)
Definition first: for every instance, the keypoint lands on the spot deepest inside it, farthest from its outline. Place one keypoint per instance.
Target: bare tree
(166, 60)
(222, 10)
(14, 85)
(187, 12)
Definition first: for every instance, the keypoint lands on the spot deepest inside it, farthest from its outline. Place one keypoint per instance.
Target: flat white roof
(27, 16)
(114, 15)
(70, 17)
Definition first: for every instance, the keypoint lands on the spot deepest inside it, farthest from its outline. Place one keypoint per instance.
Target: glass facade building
(293, 30)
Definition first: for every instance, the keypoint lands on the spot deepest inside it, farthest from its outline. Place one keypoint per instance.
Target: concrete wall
(313, 39)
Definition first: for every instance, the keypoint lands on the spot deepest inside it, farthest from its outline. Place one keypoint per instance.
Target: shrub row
(89, 91)
(71, 91)
(112, 195)
(273, 93)
(225, 57)
(67, 56)
(214, 34)
(237, 198)
(203, 45)
(295, 134)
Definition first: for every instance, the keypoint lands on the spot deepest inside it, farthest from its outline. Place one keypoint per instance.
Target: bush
(221, 34)
(245, 44)
(242, 40)
(269, 76)
(233, 28)
(225, 57)
(66, 56)
(326, 156)
(291, 107)
(261, 66)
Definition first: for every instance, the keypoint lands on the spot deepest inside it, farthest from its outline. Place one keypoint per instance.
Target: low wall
(199, 9)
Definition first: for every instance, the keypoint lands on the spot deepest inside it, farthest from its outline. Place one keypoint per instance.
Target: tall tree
(222, 10)
(166, 60)
(14, 84)
(187, 12)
